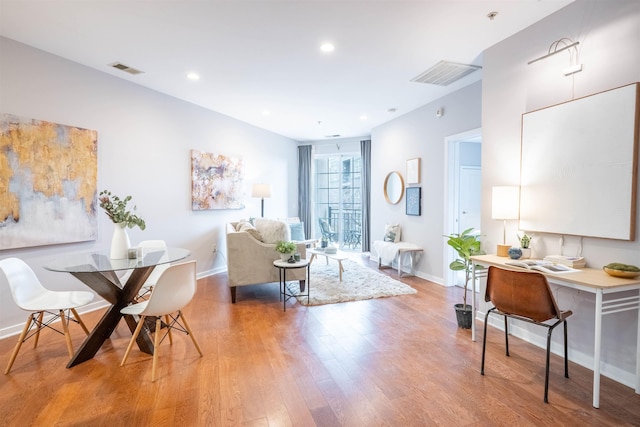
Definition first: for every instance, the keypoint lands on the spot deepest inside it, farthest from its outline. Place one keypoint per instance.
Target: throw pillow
(246, 226)
(297, 231)
(392, 233)
(273, 231)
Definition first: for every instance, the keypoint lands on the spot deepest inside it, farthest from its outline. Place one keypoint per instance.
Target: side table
(282, 267)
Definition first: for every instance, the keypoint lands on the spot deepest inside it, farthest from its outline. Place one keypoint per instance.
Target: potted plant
(116, 210)
(285, 249)
(466, 244)
(525, 243)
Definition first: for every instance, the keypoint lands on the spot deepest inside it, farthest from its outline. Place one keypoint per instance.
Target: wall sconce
(554, 48)
(261, 191)
(504, 206)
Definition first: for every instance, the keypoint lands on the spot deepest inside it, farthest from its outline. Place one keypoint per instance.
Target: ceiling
(260, 61)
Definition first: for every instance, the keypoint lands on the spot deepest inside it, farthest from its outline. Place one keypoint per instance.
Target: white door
(470, 195)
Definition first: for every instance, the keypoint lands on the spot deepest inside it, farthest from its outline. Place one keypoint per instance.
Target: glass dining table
(99, 272)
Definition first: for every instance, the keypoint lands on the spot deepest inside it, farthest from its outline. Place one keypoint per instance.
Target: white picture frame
(413, 171)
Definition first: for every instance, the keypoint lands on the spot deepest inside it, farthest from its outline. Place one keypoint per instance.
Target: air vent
(444, 73)
(125, 68)
(332, 136)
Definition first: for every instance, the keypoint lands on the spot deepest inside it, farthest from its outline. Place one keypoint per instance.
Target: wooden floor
(397, 361)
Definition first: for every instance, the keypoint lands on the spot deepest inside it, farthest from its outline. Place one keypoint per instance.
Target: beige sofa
(250, 261)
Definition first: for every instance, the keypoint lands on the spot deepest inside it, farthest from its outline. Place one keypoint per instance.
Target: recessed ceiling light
(266, 112)
(363, 117)
(327, 47)
(193, 76)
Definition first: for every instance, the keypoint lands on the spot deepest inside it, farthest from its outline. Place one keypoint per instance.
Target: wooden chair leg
(133, 339)
(193, 338)
(168, 322)
(156, 348)
(39, 325)
(77, 317)
(67, 336)
(16, 349)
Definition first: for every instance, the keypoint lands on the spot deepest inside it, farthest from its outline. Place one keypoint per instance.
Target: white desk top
(588, 277)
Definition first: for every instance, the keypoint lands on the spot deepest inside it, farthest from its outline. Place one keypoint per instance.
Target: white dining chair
(29, 294)
(147, 287)
(174, 289)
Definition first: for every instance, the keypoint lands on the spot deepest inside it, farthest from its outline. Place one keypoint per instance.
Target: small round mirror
(393, 187)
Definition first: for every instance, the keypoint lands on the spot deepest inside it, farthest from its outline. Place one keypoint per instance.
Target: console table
(590, 280)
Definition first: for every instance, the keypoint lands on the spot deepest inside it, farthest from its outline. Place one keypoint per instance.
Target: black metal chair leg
(484, 341)
(566, 362)
(546, 371)
(506, 334)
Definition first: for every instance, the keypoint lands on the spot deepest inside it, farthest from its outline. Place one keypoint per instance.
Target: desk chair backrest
(23, 282)
(521, 293)
(174, 289)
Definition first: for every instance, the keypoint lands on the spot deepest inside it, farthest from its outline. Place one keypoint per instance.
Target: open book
(542, 266)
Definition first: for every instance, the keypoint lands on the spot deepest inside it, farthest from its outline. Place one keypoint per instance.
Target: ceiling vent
(444, 73)
(120, 66)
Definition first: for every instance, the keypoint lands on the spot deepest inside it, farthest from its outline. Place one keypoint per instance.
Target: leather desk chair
(524, 296)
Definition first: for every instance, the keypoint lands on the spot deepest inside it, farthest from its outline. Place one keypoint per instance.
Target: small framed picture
(413, 171)
(414, 201)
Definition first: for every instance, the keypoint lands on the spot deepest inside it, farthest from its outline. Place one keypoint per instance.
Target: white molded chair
(31, 296)
(147, 287)
(173, 290)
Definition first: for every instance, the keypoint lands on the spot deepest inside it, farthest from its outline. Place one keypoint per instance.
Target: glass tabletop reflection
(92, 262)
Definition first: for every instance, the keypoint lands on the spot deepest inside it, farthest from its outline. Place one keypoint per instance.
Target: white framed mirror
(393, 187)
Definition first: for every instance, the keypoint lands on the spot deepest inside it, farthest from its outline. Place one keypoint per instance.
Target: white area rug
(358, 283)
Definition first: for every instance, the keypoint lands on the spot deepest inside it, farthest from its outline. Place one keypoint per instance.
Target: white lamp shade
(262, 191)
(504, 202)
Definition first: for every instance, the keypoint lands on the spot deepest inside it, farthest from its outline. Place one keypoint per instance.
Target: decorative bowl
(515, 253)
(620, 273)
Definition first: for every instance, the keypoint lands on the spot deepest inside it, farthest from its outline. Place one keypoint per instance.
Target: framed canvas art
(414, 200)
(413, 171)
(216, 181)
(48, 179)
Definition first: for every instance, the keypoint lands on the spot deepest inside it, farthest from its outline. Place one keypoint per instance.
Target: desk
(282, 267)
(98, 272)
(590, 280)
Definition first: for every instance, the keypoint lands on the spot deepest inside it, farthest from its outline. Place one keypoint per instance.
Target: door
(470, 195)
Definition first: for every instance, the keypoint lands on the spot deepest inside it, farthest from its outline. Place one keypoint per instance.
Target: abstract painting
(216, 181)
(48, 179)
(414, 200)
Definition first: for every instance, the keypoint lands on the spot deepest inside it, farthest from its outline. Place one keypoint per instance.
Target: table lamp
(262, 191)
(504, 206)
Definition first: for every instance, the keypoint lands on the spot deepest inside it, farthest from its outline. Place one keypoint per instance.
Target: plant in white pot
(525, 243)
(122, 218)
(285, 249)
(466, 244)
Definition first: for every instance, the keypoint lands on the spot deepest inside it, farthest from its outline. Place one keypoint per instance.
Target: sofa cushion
(273, 231)
(246, 226)
(297, 231)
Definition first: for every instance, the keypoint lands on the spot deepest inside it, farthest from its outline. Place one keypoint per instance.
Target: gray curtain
(365, 154)
(304, 187)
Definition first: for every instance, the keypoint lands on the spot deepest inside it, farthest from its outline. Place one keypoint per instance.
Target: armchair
(250, 261)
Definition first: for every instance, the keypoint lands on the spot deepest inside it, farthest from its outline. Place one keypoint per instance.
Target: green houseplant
(466, 244)
(285, 249)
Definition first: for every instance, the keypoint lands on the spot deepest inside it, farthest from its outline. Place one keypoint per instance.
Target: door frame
(451, 192)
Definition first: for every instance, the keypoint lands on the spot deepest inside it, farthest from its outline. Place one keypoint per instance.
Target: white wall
(144, 143)
(609, 36)
(420, 133)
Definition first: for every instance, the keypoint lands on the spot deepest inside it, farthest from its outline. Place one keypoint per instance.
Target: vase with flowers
(122, 218)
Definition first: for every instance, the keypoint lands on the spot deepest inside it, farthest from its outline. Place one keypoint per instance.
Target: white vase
(120, 242)
(526, 253)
